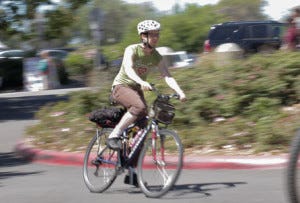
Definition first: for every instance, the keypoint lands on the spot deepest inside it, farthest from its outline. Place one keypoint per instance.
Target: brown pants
(131, 98)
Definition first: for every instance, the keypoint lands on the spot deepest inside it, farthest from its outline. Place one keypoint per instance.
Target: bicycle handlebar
(164, 96)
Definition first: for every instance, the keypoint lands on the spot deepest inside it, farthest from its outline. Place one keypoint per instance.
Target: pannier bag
(107, 117)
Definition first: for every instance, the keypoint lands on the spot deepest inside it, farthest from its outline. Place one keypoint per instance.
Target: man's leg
(135, 103)
(113, 139)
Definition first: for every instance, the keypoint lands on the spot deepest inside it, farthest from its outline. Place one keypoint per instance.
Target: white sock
(115, 133)
(125, 121)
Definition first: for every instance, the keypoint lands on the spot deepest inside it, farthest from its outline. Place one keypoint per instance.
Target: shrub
(77, 64)
(262, 107)
(84, 102)
(248, 95)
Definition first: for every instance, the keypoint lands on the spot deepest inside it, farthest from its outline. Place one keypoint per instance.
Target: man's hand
(145, 86)
(182, 97)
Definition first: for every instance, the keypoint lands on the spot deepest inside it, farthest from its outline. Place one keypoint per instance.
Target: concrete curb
(236, 162)
(190, 162)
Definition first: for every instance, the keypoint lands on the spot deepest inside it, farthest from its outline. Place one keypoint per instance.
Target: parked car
(250, 36)
(12, 54)
(175, 59)
(11, 69)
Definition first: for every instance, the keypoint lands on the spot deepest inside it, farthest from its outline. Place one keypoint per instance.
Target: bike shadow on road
(11, 159)
(186, 191)
(203, 189)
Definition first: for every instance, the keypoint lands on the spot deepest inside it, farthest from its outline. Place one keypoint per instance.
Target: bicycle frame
(126, 160)
(152, 128)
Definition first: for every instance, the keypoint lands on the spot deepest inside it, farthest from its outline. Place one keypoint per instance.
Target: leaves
(236, 10)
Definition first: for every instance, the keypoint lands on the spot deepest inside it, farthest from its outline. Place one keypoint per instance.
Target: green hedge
(238, 104)
(250, 93)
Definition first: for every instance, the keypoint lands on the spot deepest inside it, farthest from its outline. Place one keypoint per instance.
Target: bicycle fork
(154, 137)
(159, 161)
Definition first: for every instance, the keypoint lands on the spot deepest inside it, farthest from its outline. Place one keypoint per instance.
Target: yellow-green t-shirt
(142, 64)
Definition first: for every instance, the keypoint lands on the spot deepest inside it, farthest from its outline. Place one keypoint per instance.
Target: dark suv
(251, 36)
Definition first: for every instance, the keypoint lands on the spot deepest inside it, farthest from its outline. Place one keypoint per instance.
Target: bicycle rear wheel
(160, 163)
(293, 170)
(99, 168)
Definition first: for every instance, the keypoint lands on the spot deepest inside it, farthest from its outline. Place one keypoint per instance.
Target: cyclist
(130, 82)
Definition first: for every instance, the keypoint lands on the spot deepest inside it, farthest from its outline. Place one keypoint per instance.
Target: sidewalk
(190, 162)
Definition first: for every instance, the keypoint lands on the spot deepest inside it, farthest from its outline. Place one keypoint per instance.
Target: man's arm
(171, 82)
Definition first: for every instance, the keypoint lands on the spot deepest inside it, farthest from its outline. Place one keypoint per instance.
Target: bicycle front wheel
(293, 170)
(160, 163)
(99, 169)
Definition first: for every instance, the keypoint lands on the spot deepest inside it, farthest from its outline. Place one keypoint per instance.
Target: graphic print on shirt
(141, 69)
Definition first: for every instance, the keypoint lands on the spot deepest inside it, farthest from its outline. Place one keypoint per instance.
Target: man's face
(153, 37)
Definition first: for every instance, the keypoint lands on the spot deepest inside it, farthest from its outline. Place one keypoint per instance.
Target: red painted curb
(190, 162)
(47, 156)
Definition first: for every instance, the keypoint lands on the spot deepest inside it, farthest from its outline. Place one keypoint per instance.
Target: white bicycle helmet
(148, 25)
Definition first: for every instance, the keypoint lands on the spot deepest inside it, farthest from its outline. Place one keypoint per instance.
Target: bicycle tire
(165, 171)
(293, 170)
(99, 175)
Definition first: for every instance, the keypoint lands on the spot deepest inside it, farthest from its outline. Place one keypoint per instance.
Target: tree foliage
(58, 20)
(75, 4)
(185, 28)
(235, 10)
(15, 16)
(117, 17)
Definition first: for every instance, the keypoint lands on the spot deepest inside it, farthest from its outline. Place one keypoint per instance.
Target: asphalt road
(22, 182)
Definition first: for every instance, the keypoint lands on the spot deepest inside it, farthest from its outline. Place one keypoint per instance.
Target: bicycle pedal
(96, 162)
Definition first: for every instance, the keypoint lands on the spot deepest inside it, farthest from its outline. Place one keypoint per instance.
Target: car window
(223, 33)
(256, 31)
(17, 54)
(277, 31)
(12, 53)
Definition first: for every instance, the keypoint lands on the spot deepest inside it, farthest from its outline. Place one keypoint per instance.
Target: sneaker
(114, 143)
(134, 180)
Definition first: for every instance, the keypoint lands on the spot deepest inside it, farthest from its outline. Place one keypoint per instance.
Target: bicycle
(293, 170)
(158, 151)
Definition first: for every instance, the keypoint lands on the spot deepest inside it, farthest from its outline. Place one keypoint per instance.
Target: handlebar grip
(176, 96)
(153, 87)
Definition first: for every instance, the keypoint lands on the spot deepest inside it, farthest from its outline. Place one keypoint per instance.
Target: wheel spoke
(293, 170)
(160, 163)
(99, 164)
